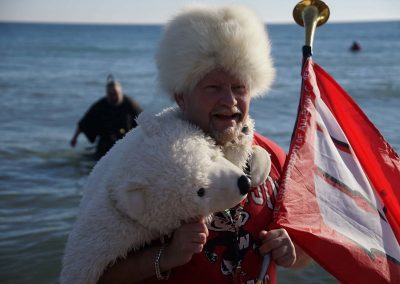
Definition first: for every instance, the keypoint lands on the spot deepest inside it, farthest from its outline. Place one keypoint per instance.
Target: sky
(159, 11)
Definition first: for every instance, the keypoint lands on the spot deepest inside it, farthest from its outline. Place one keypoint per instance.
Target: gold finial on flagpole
(310, 14)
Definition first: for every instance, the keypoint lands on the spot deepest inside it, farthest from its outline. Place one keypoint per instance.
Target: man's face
(219, 104)
(114, 94)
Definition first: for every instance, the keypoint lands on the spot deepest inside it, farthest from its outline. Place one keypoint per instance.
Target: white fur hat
(202, 38)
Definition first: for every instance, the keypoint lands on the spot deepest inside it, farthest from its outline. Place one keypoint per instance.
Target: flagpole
(310, 14)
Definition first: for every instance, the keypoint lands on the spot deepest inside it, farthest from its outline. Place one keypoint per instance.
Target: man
(108, 119)
(212, 61)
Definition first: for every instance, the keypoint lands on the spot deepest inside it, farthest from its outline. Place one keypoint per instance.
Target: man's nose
(228, 97)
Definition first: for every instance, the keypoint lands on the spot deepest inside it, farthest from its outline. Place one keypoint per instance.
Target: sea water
(51, 74)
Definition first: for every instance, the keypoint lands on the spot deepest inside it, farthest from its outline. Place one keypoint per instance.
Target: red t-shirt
(233, 244)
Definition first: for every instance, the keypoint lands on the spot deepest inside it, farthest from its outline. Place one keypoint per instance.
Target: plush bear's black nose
(244, 184)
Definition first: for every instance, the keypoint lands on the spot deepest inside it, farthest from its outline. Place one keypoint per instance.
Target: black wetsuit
(109, 122)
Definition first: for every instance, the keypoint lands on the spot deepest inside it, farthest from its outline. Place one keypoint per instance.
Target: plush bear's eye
(201, 192)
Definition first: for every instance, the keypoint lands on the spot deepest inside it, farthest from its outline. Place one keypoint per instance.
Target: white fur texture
(202, 38)
(260, 165)
(143, 188)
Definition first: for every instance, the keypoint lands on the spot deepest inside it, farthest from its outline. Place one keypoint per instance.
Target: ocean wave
(67, 49)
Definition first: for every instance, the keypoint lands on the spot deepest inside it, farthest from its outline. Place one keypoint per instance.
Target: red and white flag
(340, 192)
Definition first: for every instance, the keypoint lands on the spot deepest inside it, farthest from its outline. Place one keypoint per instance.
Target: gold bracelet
(159, 275)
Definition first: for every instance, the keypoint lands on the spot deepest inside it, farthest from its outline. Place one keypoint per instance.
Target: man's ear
(180, 101)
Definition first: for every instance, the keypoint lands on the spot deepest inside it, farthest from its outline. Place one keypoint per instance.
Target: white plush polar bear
(164, 172)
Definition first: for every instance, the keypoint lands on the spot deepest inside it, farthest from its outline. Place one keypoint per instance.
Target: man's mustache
(227, 111)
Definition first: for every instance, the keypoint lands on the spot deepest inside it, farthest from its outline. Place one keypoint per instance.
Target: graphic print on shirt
(232, 237)
(265, 192)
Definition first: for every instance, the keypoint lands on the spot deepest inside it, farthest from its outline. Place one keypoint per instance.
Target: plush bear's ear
(150, 123)
(260, 165)
(129, 198)
(135, 202)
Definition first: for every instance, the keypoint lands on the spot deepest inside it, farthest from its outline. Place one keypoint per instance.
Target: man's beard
(228, 135)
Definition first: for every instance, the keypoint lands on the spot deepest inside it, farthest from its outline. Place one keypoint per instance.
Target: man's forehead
(220, 75)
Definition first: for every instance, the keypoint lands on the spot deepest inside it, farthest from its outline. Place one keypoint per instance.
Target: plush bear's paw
(260, 166)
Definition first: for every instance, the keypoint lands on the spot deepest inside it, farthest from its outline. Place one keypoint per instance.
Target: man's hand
(186, 241)
(74, 138)
(278, 243)
(73, 141)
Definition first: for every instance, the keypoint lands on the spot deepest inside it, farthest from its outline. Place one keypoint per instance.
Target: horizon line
(163, 23)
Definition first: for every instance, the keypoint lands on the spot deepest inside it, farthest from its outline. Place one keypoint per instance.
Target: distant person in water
(108, 119)
(355, 47)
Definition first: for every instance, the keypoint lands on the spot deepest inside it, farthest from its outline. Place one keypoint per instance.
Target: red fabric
(320, 200)
(278, 156)
(256, 216)
(380, 162)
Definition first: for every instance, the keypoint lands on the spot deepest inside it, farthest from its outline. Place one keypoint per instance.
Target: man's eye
(212, 88)
(241, 89)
